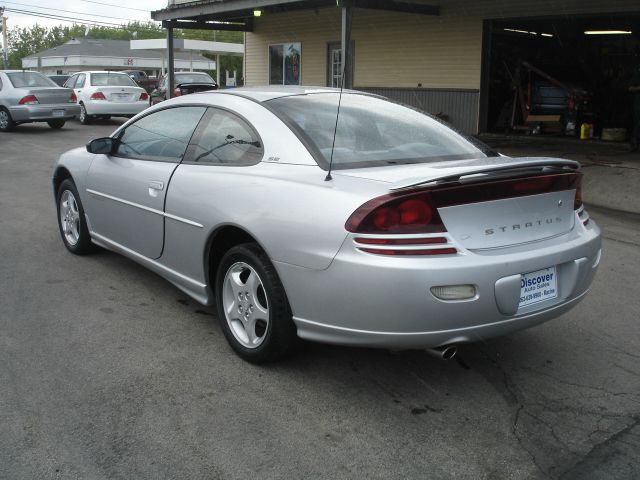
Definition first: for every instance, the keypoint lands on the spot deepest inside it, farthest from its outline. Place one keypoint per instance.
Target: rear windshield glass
(29, 79)
(112, 79)
(371, 131)
(193, 78)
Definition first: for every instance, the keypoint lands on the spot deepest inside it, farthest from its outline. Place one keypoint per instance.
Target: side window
(0, 83)
(225, 139)
(80, 81)
(70, 83)
(161, 136)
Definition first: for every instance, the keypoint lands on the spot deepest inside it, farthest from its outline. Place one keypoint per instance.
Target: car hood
(409, 175)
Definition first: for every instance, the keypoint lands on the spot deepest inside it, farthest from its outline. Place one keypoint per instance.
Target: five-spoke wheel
(73, 227)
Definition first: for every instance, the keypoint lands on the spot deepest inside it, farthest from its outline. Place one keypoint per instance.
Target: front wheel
(71, 220)
(56, 124)
(252, 305)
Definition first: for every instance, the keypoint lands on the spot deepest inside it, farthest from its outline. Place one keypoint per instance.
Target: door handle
(155, 188)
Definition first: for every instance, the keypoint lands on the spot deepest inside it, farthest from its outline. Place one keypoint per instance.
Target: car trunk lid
(50, 96)
(121, 94)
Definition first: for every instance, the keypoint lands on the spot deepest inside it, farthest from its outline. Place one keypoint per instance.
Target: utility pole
(5, 45)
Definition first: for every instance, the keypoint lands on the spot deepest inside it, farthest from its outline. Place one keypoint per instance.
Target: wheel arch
(60, 174)
(219, 242)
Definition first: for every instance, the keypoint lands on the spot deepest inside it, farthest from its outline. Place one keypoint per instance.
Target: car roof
(263, 94)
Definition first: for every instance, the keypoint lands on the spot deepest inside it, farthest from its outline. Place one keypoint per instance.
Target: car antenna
(335, 128)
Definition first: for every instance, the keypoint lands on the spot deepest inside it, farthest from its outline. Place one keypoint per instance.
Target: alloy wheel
(4, 119)
(69, 217)
(245, 304)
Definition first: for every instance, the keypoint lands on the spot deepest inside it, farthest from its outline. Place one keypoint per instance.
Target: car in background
(59, 79)
(27, 97)
(107, 94)
(390, 230)
(143, 80)
(184, 84)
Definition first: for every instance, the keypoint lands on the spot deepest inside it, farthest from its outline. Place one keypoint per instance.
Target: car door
(79, 87)
(127, 189)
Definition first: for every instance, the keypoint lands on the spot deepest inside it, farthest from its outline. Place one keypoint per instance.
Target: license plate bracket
(538, 286)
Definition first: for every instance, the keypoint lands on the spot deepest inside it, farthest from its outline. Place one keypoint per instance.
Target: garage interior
(553, 75)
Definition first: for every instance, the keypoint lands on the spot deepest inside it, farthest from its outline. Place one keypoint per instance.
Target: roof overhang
(239, 14)
(191, 46)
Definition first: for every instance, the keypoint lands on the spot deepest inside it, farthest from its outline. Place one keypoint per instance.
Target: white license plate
(120, 96)
(58, 113)
(538, 286)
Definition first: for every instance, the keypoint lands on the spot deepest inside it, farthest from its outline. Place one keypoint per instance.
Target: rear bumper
(42, 113)
(103, 107)
(380, 301)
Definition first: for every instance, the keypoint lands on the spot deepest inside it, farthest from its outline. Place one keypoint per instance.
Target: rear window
(193, 78)
(111, 80)
(29, 79)
(371, 131)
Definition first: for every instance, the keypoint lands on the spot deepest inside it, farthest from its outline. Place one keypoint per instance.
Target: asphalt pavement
(109, 372)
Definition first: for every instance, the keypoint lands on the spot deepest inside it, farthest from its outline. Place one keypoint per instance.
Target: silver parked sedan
(393, 232)
(27, 97)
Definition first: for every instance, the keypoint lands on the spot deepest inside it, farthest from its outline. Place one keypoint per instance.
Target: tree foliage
(25, 41)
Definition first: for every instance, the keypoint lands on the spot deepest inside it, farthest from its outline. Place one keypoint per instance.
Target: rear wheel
(84, 118)
(56, 124)
(6, 122)
(252, 305)
(71, 220)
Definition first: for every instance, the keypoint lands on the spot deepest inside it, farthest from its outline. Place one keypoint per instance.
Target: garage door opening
(552, 75)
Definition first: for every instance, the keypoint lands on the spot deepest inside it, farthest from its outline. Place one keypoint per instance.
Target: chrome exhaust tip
(446, 352)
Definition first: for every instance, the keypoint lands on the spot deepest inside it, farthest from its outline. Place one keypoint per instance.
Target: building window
(284, 64)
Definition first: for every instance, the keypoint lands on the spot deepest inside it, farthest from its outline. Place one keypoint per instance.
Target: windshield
(29, 79)
(112, 80)
(193, 78)
(371, 131)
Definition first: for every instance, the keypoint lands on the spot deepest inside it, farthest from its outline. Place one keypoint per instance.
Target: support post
(218, 69)
(171, 69)
(191, 61)
(347, 53)
(5, 44)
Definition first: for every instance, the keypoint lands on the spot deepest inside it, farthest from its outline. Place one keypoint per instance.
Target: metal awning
(239, 15)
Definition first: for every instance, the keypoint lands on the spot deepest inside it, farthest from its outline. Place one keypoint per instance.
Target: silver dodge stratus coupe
(376, 226)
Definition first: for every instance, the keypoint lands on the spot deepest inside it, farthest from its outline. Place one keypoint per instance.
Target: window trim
(186, 158)
(283, 64)
(118, 134)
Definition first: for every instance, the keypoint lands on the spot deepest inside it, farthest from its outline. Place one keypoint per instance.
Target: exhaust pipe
(446, 352)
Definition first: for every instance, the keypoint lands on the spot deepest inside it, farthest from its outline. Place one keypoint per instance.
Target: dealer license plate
(58, 113)
(538, 286)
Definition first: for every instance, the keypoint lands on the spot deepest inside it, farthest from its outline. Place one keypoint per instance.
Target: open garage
(554, 74)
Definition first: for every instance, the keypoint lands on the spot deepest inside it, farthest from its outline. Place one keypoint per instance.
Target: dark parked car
(184, 83)
(143, 80)
(59, 79)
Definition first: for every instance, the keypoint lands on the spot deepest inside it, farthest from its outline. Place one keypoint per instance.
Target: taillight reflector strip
(431, 251)
(400, 241)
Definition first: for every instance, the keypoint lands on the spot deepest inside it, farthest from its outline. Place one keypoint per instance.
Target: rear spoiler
(511, 167)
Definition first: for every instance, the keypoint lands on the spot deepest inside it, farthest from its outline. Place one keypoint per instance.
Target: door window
(225, 139)
(80, 81)
(70, 83)
(161, 136)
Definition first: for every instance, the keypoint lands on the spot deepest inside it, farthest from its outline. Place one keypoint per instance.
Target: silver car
(27, 97)
(378, 227)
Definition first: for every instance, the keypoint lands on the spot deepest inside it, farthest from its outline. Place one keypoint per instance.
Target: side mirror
(101, 146)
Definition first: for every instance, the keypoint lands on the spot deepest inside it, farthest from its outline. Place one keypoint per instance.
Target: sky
(81, 9)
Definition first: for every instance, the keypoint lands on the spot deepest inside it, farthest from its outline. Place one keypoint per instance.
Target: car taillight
(73, 98)
(577, 203)
(29, 100)
(177, 92)
(409, 213)
(144, 96)
(368, 244)
(97, 96)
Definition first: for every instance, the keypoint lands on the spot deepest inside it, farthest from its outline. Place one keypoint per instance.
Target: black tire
(83, 244)
(6, 122)
(278, 337)
(56, 124)
(84, 117)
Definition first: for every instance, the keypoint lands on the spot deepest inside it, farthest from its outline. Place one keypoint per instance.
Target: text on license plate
(538, 286)
(57, 113)
(120, 96)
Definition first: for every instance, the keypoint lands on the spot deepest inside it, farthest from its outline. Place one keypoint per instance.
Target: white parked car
(106, 95)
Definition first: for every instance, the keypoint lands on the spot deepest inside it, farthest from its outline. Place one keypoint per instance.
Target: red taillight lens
(28, 100)
(577, 203)
(73, 98)
(98, 96)
(144, 96)
(177, 92)
(411, 213)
